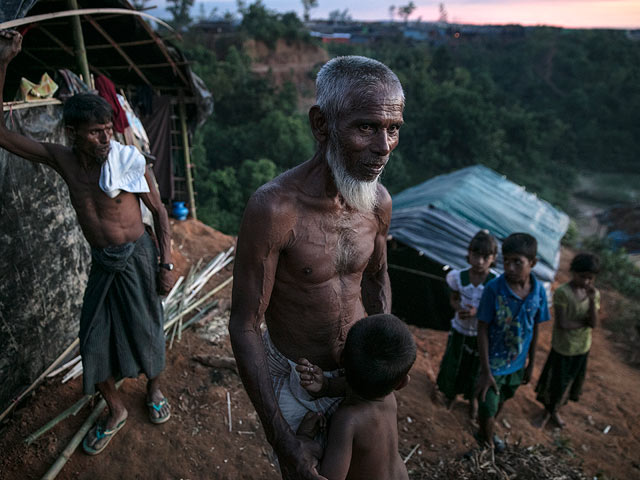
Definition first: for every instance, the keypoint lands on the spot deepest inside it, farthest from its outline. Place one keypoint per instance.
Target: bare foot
(542, 420)
(557, 419)
(10, 45)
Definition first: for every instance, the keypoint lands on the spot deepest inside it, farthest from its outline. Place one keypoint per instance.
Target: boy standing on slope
(362, 440)
(510, 310)
(575, 307)
(460, 363)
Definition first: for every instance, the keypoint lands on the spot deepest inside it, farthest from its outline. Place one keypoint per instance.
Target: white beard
(358, 194)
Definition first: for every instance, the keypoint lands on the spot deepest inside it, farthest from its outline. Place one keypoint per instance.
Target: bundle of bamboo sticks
(180, 302)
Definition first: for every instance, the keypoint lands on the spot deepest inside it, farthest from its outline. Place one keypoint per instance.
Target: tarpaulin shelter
(433, 222)
(43, 256)
(124, 48)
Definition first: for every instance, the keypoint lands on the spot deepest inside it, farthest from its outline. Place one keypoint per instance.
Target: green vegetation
(616, 270)
(538, 106)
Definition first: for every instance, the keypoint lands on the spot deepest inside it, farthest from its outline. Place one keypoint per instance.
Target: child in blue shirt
(510, 310)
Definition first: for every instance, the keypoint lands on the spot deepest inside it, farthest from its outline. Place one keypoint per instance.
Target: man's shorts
(507, 386)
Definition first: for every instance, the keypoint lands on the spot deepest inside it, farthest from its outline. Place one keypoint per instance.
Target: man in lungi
(311, 258)
(121, 326)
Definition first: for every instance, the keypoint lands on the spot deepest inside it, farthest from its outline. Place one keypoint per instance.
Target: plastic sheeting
(444, 238)
(44, 257)
(468, 200)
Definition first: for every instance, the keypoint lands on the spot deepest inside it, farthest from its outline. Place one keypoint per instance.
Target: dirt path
(197, 442)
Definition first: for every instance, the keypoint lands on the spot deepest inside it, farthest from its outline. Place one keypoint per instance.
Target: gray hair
(341, 77)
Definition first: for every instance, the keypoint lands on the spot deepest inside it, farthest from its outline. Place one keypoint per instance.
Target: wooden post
(78, 38)
(187, 156)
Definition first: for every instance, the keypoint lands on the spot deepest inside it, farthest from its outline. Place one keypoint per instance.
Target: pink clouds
(578, 13)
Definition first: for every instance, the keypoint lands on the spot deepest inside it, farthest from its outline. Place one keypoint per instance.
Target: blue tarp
(440, 216)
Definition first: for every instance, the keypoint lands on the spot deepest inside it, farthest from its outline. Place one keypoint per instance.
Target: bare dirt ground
(199, 443)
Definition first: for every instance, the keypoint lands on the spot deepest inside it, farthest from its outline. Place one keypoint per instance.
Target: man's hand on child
(312, 378)
(299, 459)
(485, 382)
(312, 424)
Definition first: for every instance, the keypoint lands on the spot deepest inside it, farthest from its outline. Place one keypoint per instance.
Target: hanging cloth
(107, 90)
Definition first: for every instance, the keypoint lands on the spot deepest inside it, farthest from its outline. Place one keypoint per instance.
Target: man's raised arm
(161, 226)
(261, 237)
(10, 45)
(376, 288)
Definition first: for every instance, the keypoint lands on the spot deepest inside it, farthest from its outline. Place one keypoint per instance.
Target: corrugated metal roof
(439, 216)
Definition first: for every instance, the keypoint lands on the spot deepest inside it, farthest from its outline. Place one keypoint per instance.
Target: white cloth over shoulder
(123, 170)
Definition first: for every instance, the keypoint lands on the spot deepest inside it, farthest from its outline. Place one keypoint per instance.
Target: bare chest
(328, 246)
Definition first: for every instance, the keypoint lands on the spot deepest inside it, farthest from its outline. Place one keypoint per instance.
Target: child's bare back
(362, 439)
(369, 428)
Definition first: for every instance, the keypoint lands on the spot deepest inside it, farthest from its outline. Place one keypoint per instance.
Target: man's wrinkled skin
(104, 221)
(310, 265)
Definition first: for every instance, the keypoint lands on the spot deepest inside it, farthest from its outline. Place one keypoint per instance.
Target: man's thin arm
(259, 242)
(160, 217)
(376, 288)
(10, 44)
(153, 202)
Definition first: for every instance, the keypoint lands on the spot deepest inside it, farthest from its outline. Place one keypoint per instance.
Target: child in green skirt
(575, 306)
(459, 366)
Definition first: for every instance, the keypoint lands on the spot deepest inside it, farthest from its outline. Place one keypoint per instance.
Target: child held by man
(510, 310)
(362, 439)
(575, 307)
(460, 363)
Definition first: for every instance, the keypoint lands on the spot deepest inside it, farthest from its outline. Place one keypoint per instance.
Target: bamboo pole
(182, 111)
(77, 438)
(85, 11)
(78, 39)
(40, 378)
(75, 441)
(200, 315)
(72, 410)
(198, 303)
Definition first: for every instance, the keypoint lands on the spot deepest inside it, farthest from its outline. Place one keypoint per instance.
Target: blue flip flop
(100, 433)
(157, 407)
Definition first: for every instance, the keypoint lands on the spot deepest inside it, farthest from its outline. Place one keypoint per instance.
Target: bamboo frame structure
(182, 111)
(78, 38)
(117, 47)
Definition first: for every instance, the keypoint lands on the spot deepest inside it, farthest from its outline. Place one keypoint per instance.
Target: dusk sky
(566, 13)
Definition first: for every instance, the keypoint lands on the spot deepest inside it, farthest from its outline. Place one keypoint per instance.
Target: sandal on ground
(498, 444)
(100, 433)
(156, 407)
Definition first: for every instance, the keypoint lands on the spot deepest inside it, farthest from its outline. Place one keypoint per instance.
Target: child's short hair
(85, 108)
(483, 243)
(585, 263)
(378, 353)
(520, 244)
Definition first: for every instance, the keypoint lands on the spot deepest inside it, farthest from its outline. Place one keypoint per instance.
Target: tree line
(538, 107)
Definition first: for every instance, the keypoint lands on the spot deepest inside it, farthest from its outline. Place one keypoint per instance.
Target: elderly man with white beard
(311, 258)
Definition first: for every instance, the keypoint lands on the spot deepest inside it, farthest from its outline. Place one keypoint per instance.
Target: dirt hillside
(199, 443)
